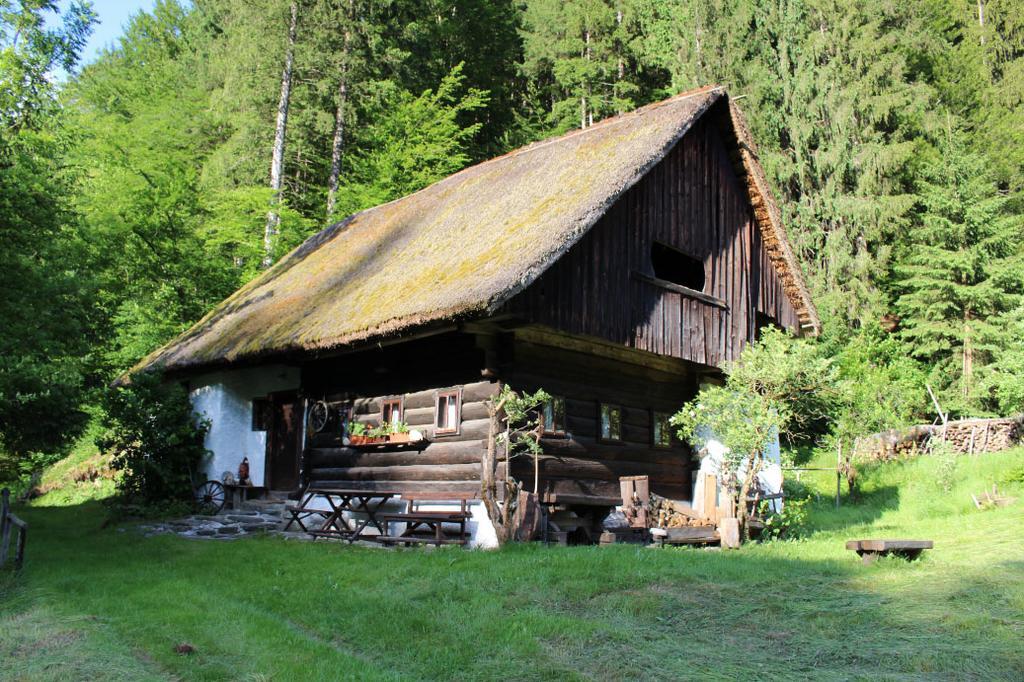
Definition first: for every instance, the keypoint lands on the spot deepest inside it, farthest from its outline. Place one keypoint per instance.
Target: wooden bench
(302, 511)
(870, 550)
(428, 527)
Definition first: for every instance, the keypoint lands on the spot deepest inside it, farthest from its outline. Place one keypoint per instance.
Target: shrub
(795, 376)
(155, 441)
(787, 524)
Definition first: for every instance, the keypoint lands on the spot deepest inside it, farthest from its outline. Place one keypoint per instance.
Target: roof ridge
(539, 144)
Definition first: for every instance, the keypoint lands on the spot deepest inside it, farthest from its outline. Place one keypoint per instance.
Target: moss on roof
(460, 247)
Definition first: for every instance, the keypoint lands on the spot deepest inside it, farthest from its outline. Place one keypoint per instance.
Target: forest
(142, 188)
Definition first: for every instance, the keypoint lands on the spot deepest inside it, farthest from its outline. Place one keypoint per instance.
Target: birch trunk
(338, 145)
(277, 159)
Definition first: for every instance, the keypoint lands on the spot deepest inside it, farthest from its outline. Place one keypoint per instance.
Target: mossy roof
(458, 248)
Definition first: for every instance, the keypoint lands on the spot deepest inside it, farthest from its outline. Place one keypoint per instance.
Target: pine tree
(582, 54)
(962, 268)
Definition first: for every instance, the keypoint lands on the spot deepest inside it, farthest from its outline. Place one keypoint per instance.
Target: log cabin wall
(578, 467)
(693, 201)
(414, 372)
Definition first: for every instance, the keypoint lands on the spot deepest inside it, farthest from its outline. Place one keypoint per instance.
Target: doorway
(284, 441)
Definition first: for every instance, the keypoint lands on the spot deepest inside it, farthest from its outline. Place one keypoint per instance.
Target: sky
(113, 15)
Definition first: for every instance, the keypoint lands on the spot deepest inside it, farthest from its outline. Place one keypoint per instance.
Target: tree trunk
(968, 367)
(621, 71)
(981, 21)
(500, 514)
(338, 145)
(753, 468)
(277, 159)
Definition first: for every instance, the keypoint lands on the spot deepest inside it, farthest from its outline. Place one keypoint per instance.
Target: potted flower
(379, 434)
(399, 432)
(357, 433)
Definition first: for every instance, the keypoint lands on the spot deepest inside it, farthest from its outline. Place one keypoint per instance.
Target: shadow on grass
(863, 508)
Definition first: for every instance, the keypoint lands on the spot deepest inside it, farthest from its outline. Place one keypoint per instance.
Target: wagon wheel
(319, 415)
(210, 497)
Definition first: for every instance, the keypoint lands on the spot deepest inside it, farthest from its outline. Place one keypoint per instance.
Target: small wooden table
(343, 500)
(870, 550)
(431, 522)
(241, 493)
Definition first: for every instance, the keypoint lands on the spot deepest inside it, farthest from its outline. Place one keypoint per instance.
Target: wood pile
(668, 513)
(892, 444)
(984, 435)
(969, 436)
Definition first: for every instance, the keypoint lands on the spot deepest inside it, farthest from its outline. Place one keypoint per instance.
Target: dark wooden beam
(680, 289)
(545, 336)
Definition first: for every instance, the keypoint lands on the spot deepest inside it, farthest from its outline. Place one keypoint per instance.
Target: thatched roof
(461, 247)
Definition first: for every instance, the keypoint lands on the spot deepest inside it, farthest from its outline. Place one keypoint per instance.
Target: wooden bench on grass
(429, 526)
(870, 550)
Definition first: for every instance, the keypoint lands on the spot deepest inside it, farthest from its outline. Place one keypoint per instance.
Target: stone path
(227, 525)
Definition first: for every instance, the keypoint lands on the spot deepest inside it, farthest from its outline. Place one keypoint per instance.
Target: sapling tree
(745, 422)
(514, 431)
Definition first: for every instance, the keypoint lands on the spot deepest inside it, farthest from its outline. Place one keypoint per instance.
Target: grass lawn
(108, 603)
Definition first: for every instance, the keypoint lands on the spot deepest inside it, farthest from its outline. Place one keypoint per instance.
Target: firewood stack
(967, 436)
(668, 513)
(984, 435)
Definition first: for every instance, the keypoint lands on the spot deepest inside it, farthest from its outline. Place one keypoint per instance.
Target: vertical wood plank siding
(693, 201)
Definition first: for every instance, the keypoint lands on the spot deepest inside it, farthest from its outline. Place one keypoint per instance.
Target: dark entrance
(284, 441)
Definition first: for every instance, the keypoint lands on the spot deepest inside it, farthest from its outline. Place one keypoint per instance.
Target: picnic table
(428, 527)
(341, 500)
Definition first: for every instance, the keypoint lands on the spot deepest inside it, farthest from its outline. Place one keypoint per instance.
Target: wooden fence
(7, 520)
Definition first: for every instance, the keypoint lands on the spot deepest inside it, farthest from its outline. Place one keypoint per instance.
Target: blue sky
(113, 15)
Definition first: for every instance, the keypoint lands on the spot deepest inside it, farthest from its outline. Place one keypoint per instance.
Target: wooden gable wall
(692, 200)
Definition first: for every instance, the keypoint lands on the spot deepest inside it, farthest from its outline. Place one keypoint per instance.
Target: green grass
(81, 476)
(108, 603)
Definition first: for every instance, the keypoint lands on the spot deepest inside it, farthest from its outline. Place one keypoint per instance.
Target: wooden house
(616, 267)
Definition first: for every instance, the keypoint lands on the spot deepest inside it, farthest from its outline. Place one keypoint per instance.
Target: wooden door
(284, 441)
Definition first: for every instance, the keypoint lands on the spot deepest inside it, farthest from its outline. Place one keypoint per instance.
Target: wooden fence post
(839, 467)
(5, 524)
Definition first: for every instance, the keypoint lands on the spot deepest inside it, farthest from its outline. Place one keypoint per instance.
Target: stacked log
(985, 435)
(969, 436)
(892, 444)
(668, 513)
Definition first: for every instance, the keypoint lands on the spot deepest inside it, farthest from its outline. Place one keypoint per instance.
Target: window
(390, 410)
(662, 430)
(553, 415)
(611, 422)
(672, 265)
(448, 412)
(260, 414)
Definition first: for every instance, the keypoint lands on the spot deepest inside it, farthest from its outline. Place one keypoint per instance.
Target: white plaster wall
(225, 398)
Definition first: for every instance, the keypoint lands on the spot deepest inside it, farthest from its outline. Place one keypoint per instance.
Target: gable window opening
(391, 410)
(553, 416)
(672, 265)
(662, 436)
(448, 412)
(260, 414)
(611, 422)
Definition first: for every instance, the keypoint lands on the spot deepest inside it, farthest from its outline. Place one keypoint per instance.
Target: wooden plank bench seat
(428, 526)
(870, 550)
